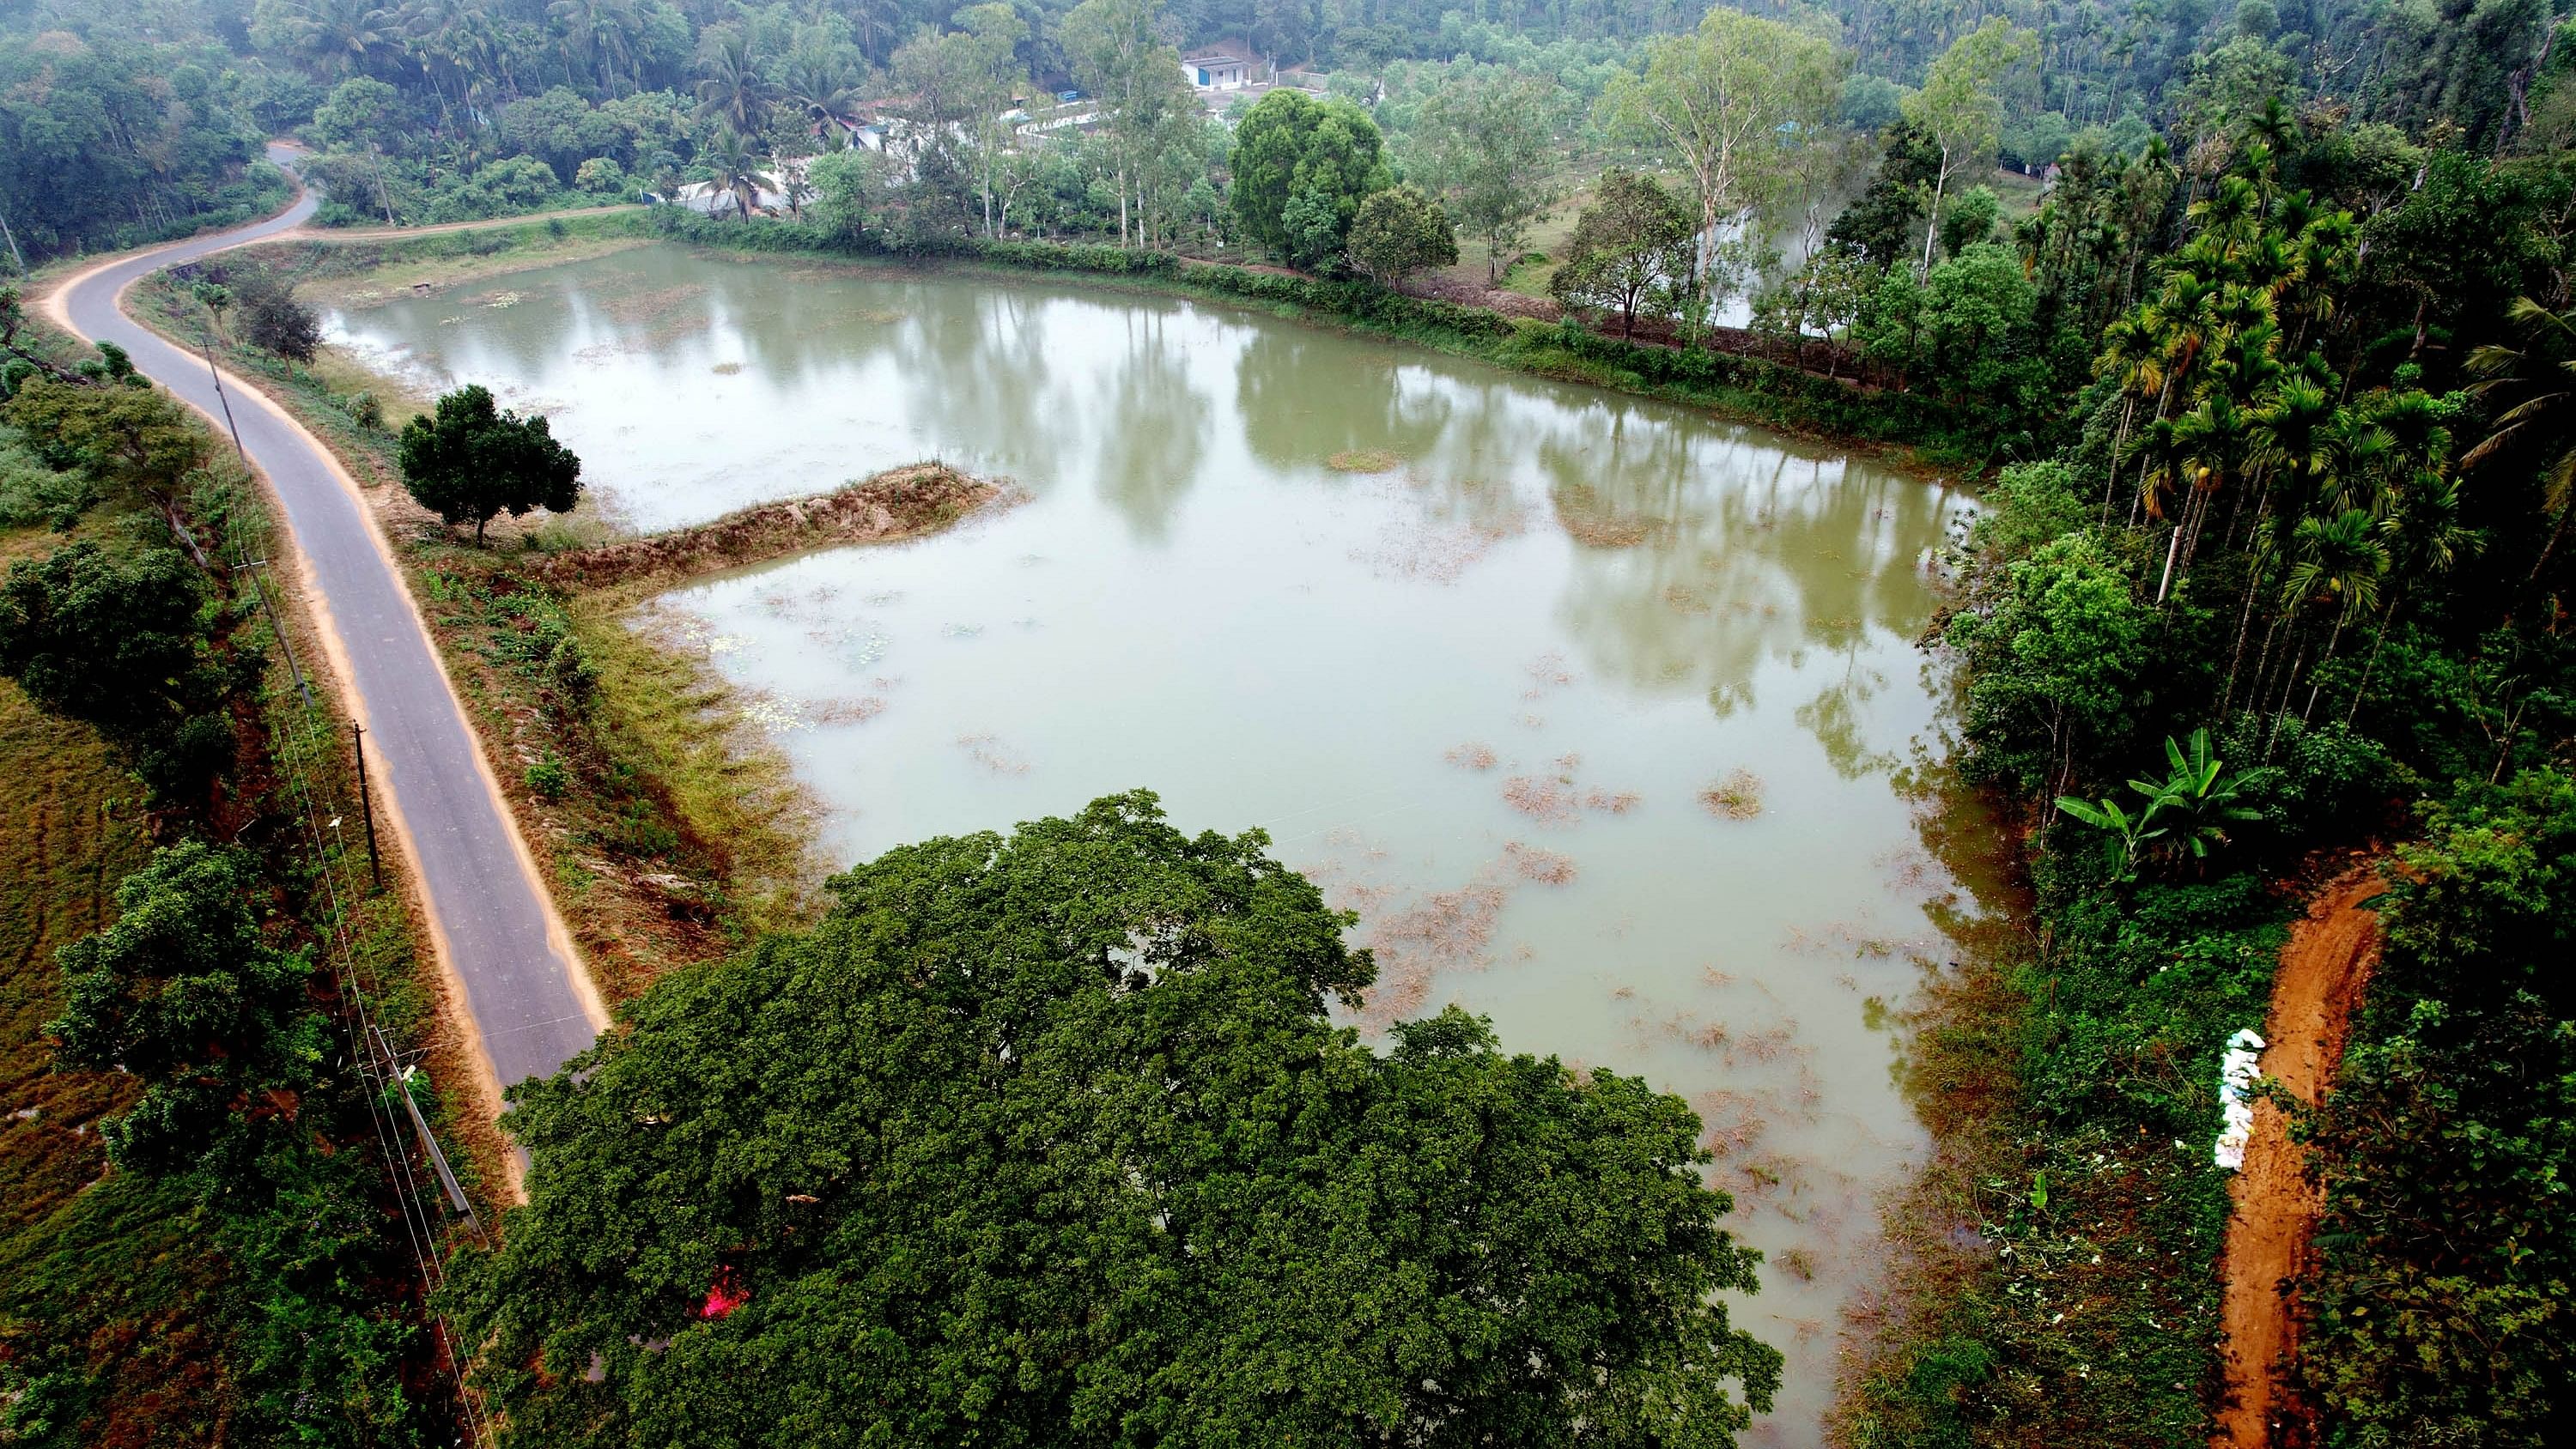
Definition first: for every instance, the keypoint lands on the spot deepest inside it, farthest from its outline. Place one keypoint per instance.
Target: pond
(1595, 709)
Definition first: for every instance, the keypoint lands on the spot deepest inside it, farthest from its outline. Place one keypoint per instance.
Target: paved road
(494, 926)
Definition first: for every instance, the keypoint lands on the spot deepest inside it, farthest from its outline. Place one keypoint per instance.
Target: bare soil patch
(2322, 972)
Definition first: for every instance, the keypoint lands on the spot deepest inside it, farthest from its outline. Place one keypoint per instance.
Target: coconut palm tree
(738, 169)
(2540, 379)
(336, 38)
(821, 87)
(598, 36)
(734, 91)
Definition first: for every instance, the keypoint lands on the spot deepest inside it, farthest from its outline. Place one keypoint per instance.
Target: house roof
(1212, 57)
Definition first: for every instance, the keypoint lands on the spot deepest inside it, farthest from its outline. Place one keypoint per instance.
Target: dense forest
(2254, 324)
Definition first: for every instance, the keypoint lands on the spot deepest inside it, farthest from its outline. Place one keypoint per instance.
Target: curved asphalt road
(530, 1007)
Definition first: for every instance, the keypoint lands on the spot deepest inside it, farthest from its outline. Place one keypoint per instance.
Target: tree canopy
(1301, 169)
(1632, 244)
(1400, 231)
(468, 462)
(1047, 1139)
(184, 993)
(115, 642)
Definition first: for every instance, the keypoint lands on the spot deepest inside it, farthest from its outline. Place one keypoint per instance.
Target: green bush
(548, 778)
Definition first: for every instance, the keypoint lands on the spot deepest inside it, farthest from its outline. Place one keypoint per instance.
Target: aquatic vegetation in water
(1363, 460)
(850, 711)
(989, 752)
(1558, 800)
(727, 369)
(1547, 801)
(1471, 756)
(1547, 867)
(1737, 797)
(652, 304)
(1550, 673)
(1588, 521)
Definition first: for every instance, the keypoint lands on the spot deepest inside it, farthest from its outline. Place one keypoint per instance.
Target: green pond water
(1479, 694)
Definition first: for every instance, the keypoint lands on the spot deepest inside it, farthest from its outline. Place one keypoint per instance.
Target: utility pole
(400, 1081)
(366, 804)
(221, 396)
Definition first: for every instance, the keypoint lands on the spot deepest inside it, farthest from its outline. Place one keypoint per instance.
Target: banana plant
(2189, 809)
(2126, 835)
(2196, 788)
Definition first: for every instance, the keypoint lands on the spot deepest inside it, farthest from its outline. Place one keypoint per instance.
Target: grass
(108, 1270)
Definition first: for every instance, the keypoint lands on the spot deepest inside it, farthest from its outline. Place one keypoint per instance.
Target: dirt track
(2323, 969)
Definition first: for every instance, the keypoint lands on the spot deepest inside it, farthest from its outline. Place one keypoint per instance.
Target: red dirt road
(2323, 969)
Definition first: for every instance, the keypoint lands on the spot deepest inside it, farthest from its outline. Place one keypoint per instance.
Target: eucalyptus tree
(1122, 55)
(1729, 102)
(1486, 138)
(1959, 109)
(957, 87)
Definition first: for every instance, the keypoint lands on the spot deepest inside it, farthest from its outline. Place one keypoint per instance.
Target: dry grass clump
(892, 504)
(1363, 460)
(1546, 867)
(849, 711)
(1798, 1263)
(1549, 802)
(989, 752)
(1737, 797)
(1471, 756)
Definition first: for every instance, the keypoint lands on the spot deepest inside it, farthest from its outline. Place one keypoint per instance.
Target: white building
(1215, 71)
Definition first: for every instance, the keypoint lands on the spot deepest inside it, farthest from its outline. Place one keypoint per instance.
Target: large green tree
(1049, 1140)
(1301, 168)
(1400, 231)
(1631, 247)
(114, 642)
(184, 993)
(468, 462)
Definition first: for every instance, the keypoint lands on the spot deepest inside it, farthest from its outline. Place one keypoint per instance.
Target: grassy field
(107, 1267)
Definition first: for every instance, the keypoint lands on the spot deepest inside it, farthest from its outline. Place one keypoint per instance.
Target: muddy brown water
(1470, 646)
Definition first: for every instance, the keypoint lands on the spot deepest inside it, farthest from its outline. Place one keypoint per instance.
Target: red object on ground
(726, 1295)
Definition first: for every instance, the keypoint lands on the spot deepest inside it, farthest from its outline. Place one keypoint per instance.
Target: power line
(370, 1051)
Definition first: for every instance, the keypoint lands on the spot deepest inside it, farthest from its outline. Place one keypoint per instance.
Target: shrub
(548, 778)
(271, 317)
